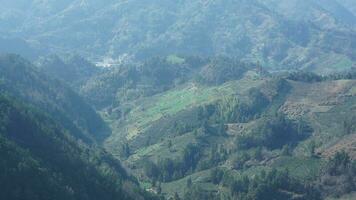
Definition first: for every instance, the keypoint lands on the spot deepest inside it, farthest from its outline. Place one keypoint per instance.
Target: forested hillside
(72, 70)
(42, 160)
(19, 78)
(318, 35)
(48, 145)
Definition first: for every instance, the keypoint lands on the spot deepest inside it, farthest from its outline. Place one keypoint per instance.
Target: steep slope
(42, 160)
(201, 139)
(73, 69)
(20, 79)
(289, 34)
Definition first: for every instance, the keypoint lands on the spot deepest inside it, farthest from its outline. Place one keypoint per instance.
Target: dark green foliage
(126, 150)
(312, 147)
(340, 175)
(307, 77)
(216, 175)
(167, 169)
(257, 154)
(286, 150)
(240, 160)
(151, 170)
(217, 154)
(197, 192)
(41, 160)
(22, 81)
(222, 69)
(349, 125)
(233, 110)
(274, 132)
(176, 196)
(310, 77)
(189, 182)
(339, 164)
(73, 69)
(275, 184)
(191, 156)
(230, 110)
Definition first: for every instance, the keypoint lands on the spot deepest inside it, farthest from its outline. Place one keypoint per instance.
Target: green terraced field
(153, 108)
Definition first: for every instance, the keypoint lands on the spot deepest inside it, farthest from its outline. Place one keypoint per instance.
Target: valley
(178, 100)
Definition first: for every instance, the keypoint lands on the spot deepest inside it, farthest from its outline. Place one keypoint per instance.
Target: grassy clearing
(161, 149)
(332, 63)
(174, 59)
(180, 186)
(300, 167)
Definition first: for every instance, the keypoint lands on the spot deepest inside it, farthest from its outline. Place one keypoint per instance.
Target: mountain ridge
(199, 28)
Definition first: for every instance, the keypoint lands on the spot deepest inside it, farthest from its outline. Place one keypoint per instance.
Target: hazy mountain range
(287, 34)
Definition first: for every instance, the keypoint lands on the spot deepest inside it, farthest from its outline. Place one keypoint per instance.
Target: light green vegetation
(331, 63)
(303, 168)
(174, 59)
(180, 186)
(171, 102)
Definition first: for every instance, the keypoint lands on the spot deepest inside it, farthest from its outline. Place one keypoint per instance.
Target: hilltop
(318, 35)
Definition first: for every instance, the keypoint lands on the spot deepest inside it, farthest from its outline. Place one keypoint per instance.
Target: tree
(159, 188)
(286, 150)
(216, 175)
(126, 150)
(257, 154)
(312, 147)
(151, 170)
(339, 164)
(221, 129)
(271, 185)
(191, 156)
(240, 160)
(169, 144)
(189, 182)
(176, 196)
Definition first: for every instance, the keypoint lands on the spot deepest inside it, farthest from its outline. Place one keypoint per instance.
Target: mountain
(213, 99)
(221, 117)
(20, 79)
(186, 127)
(41, 160)
(317, 35)
(255, 125)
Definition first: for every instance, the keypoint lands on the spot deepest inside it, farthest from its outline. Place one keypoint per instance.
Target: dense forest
(42, 160)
